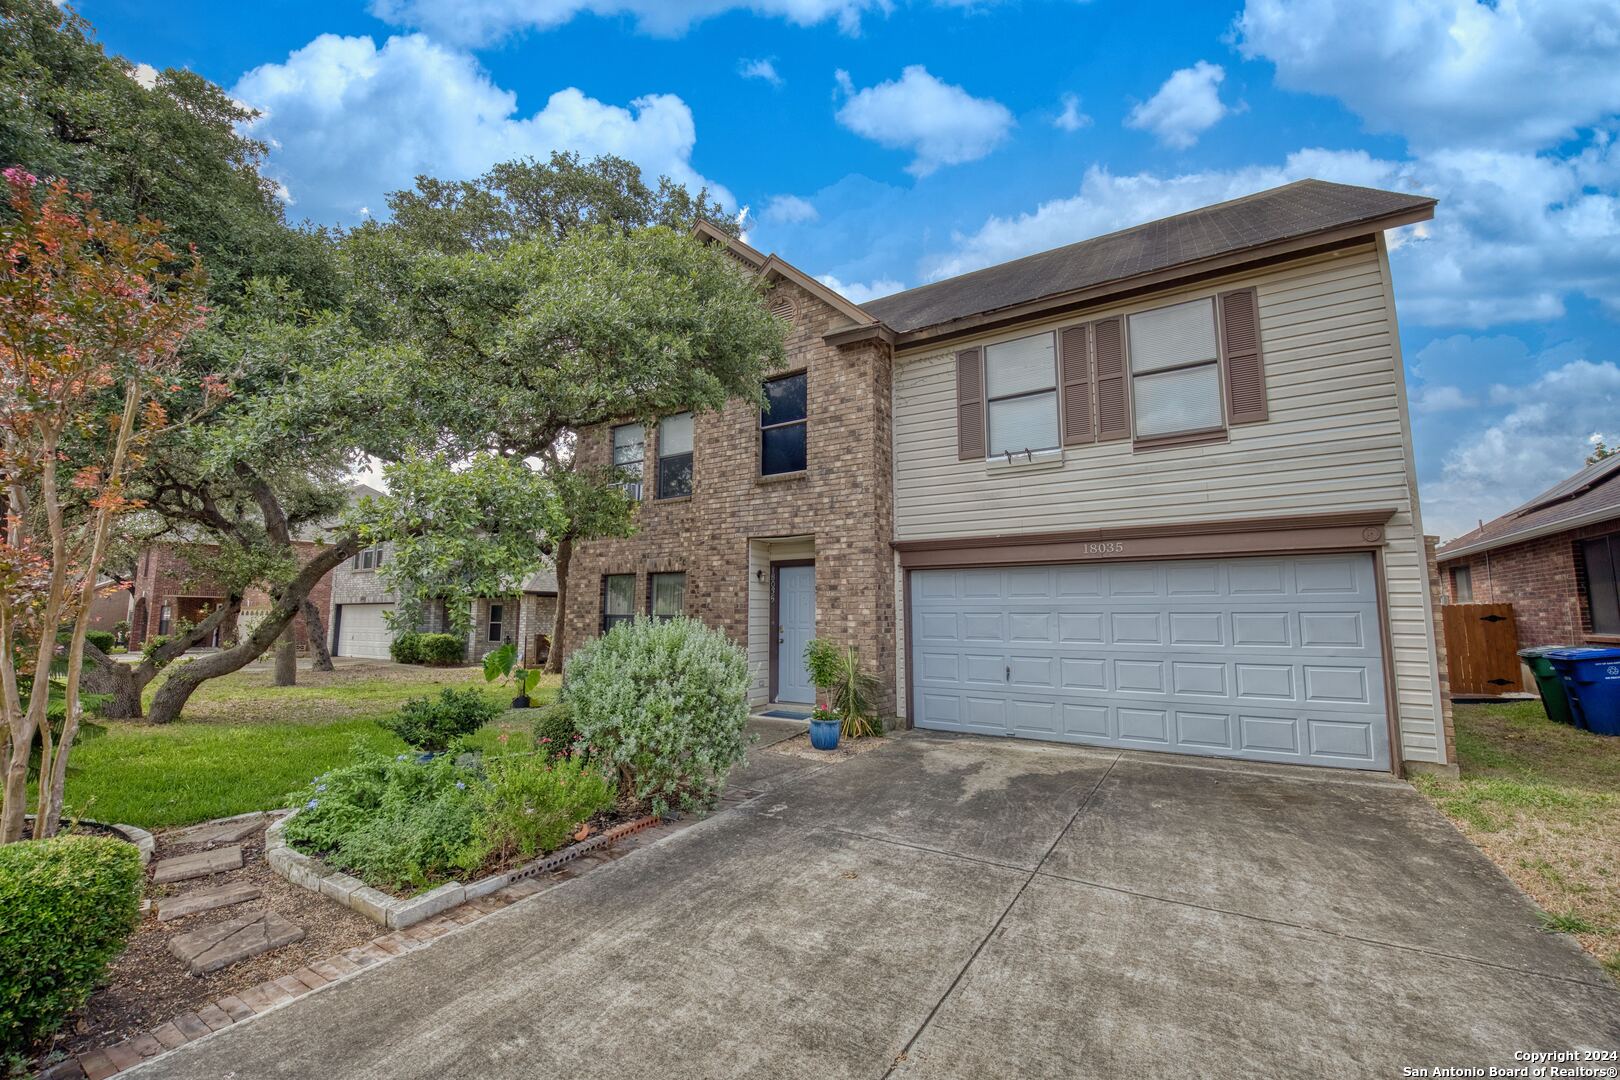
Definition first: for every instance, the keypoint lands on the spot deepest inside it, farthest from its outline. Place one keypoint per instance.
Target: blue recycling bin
(1592, 679)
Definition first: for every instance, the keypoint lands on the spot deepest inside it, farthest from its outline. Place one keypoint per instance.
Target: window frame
(368, 558)
(610, 620)
(1055, 389)
(660, 493)
(640, 464)
(1462, 581)
(165, 618)
(652, 593)
(803, 422)
(494, 620)
(1218, 363)
(1609, 542)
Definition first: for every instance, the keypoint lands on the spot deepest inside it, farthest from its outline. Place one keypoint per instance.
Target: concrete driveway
(945, 907)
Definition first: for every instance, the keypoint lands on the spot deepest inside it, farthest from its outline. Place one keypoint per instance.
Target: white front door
(796, 625)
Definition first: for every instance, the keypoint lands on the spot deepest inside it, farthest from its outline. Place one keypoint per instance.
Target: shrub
(391, 821)
(433, 724)
(441, 650)
(527, 805)
(664, 703)
(153, 644)
(554, 733)
(851, 691)
(66, 905)
(407, 648)
(101, 639)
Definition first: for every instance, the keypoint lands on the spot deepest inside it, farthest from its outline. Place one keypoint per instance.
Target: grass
(1543, 801)
(242, 744)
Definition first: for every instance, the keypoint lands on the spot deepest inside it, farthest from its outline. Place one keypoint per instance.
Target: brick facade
(1542, 579)
(1436, 598)
(164, 574)
(843, 500)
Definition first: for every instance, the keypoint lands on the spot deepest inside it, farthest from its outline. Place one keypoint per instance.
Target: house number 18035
(1106, 547)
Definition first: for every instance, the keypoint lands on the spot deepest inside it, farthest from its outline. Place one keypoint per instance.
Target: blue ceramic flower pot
(824, 734)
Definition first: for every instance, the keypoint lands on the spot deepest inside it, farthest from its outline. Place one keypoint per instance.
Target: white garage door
(362, 630)
(1273, 659)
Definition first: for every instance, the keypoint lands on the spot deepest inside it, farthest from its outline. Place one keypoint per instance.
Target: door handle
(1009, 673)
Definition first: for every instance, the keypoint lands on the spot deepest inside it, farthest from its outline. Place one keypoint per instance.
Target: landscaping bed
(1542, 800)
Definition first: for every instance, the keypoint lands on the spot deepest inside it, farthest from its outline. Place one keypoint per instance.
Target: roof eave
(1164, 278)
(1551, 528)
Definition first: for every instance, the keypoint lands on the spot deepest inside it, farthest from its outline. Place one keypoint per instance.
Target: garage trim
(1349, 531)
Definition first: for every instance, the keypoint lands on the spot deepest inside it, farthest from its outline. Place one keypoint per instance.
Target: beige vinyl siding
(1336, 440)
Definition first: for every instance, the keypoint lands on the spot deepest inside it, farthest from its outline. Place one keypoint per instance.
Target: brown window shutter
(1113, 395)
(1074, 361)
(970, 405)
(1240, 348)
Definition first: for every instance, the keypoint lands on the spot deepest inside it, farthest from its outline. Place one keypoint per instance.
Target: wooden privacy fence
(1482, 644)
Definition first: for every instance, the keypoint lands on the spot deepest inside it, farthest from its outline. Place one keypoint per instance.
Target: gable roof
(1298, 211)
(1588, 497)
(774, 266)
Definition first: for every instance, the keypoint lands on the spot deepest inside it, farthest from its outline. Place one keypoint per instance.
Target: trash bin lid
(1587, 653)
(1542, 650)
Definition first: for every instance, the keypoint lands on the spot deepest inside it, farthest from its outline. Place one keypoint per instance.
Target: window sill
(1602, 639)
(1040, 459)
(670, 499)
(1183, 438)
(783, 478)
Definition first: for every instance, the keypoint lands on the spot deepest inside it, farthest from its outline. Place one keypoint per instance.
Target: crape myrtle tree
(529, 304)
(170, 146)
(89, 313)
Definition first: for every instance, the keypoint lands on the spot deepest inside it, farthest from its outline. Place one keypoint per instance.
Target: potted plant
(502, 665)
(824, 728)
(849, 691)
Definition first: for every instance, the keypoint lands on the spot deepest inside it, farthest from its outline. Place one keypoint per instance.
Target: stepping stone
(178, 907)
(222, 944)
(218, 832)
(198, 864)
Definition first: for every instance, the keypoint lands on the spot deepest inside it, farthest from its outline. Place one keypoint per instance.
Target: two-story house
(1152, 490)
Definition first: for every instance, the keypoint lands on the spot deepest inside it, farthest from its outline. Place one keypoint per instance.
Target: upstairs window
(495, 613)
(784, 426)
(1175, 370)
(666, 595)
(1599, 558)
(675, 456)
(629, 454)
(1020, 384)
(369, 558)
(618, 600)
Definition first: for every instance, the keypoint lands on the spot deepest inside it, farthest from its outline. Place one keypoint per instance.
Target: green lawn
(1543, 801)
(242, 744)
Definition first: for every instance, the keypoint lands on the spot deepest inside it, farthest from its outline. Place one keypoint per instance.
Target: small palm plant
(850, 691)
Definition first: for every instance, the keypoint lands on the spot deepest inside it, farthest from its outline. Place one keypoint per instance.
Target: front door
(796, 625)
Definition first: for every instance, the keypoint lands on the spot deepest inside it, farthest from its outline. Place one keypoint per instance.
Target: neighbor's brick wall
(1436, 598)
(536, 615)
(1542, 579)
(165, 572)
(843, 499)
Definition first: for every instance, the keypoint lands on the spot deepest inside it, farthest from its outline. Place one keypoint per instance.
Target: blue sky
(881, 144)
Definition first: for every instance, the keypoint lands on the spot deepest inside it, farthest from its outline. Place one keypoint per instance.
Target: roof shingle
(1586, 495)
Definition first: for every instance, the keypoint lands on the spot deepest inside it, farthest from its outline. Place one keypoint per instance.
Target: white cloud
(145, 74)
(1071, 118)
(941, 123)
(1438, 399)
(759, 69)
(350, 121)
(788, 210)
(1188, 104)
(860, 292)
(479, 22)
(1540, 440)
(1513, 74)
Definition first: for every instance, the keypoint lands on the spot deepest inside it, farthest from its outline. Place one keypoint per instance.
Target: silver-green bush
(665, 705)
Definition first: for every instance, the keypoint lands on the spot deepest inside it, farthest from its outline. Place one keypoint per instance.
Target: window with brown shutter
(970, 405)
(1240, 348)
(1113, 405)
(1074, 358)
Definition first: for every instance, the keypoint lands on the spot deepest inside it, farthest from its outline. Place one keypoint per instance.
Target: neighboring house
(1556, 559)
(111, 606)
(169, 589)
(362, 600)
(1153, 490)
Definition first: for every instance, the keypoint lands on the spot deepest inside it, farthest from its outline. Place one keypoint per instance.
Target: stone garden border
(397, 913)
(144, 842)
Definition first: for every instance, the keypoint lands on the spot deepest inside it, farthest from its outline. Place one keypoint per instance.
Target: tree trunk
(286, 658)
(564, 554)
(125, 683)
(178, 688)
(317, 637)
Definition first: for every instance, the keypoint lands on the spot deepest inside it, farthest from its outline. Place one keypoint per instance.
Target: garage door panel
(363, 630)
(1270, 659)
